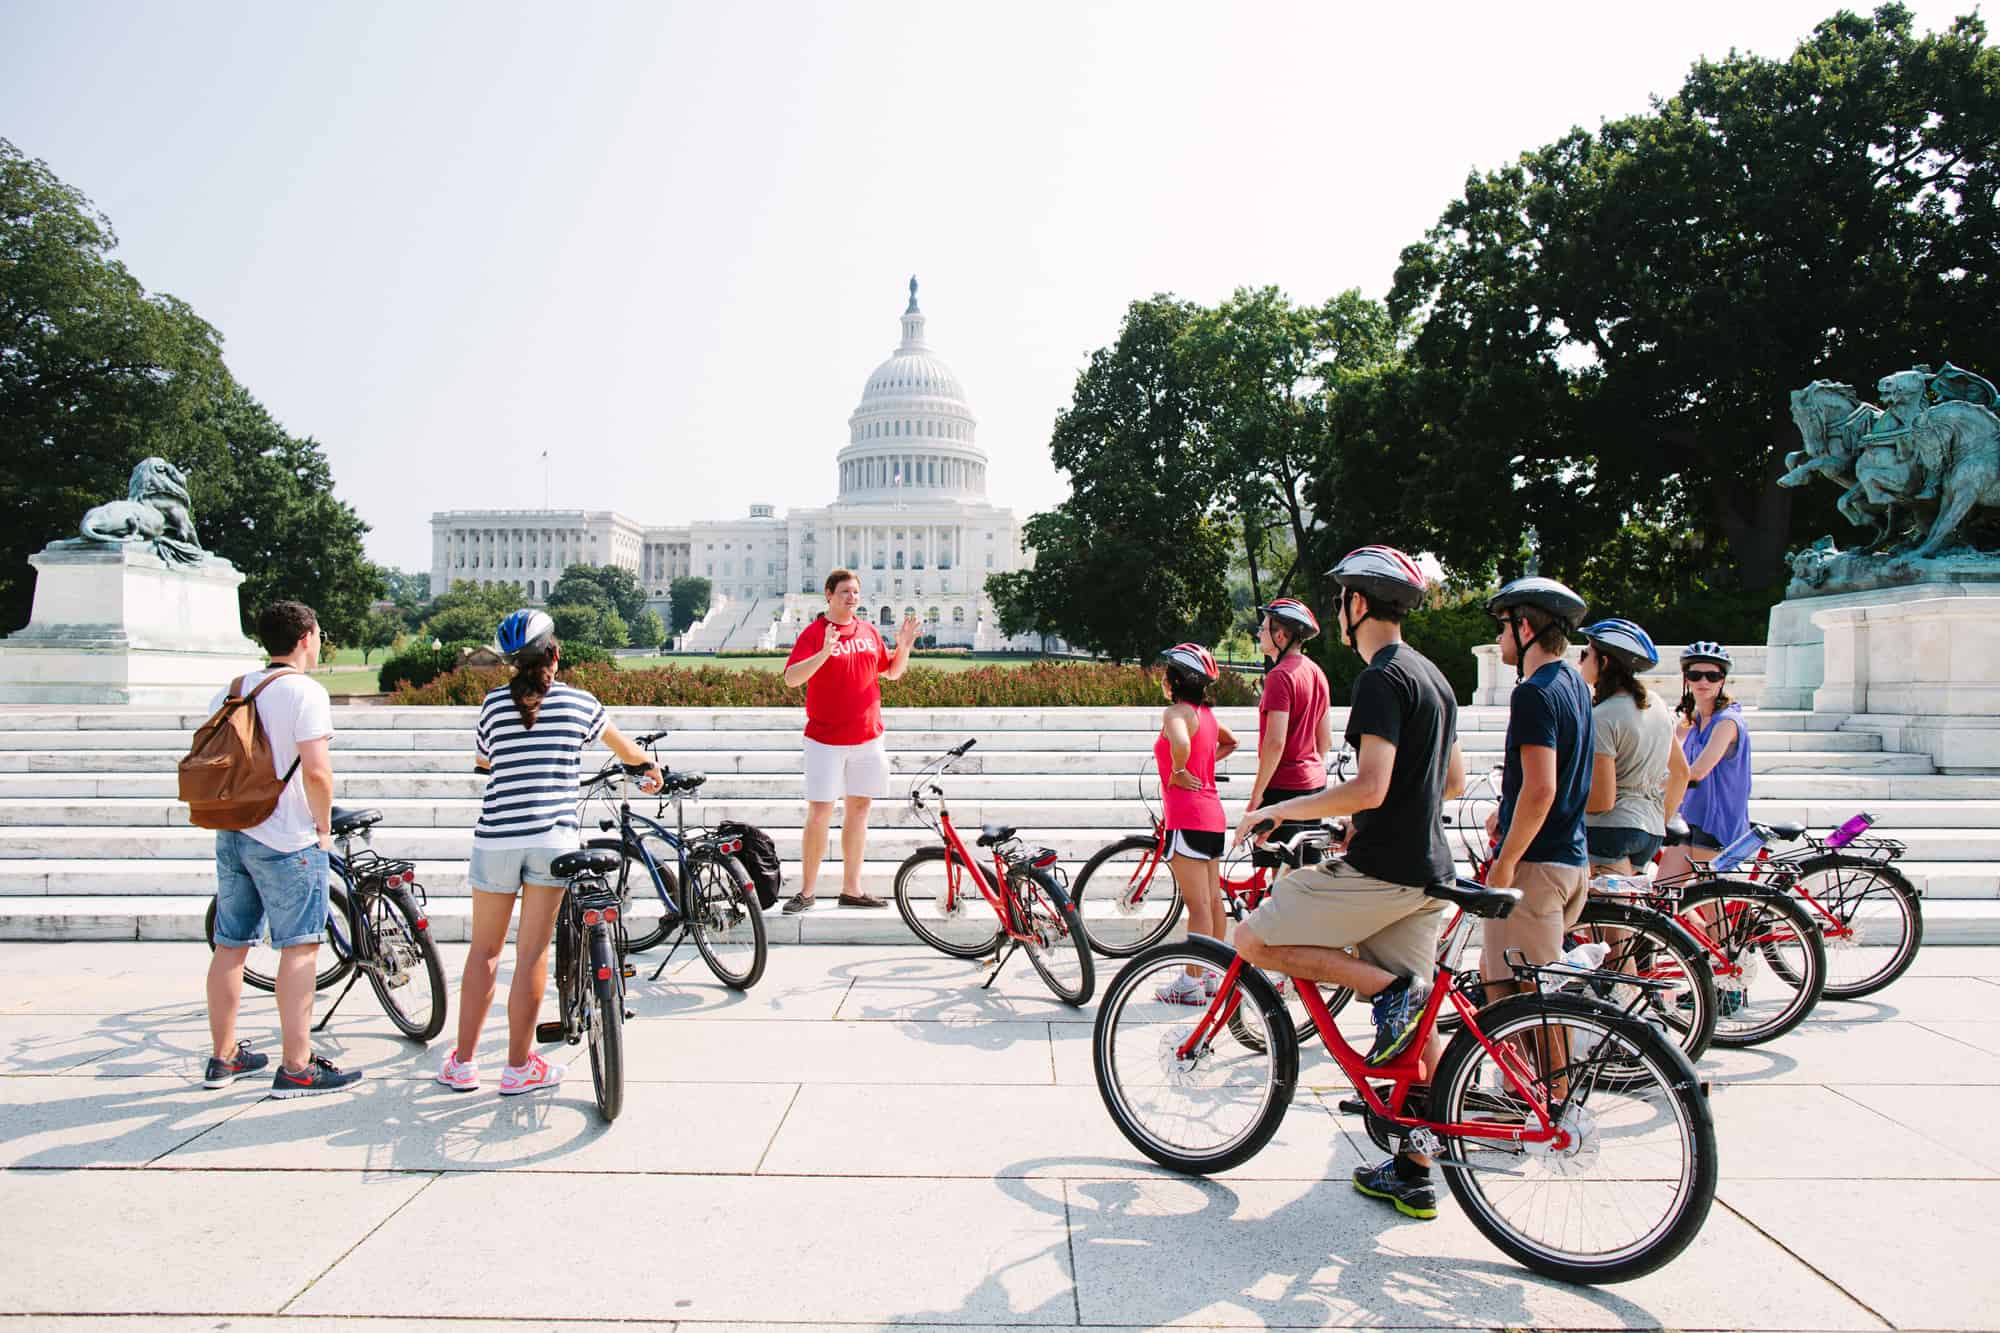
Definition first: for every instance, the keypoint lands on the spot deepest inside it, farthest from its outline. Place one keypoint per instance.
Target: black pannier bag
(759, 859)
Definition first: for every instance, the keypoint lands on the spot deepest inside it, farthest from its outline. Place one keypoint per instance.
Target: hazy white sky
(667, 242)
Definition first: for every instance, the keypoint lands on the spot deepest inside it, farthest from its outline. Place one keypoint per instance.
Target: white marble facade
(911, 518)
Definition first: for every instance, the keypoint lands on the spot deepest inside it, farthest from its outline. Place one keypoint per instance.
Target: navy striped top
(531, 795)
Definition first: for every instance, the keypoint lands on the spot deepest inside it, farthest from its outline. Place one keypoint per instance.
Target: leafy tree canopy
(690, 594)
(600, 585)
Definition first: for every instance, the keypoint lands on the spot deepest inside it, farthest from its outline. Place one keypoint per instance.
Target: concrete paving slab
(784, 1051)
(288, 1324)
(954, 1251)
(404, 1125)
(57, 1043)
(1982, 1035)
(1301, 1255)
(1955, 1124)
(1864, 1236)
(1862, 1053)
(1966, 961)
(66, 1121)
(269, 1233)
(174, 1041)
(1010, 1131)
(1801, 1131)
(794, 986)
(1915, 999)
(927, 986)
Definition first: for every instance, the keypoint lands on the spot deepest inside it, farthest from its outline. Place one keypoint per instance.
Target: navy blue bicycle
(705, 894)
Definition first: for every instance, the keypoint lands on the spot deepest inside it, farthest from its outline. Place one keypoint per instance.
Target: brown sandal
(860, 900)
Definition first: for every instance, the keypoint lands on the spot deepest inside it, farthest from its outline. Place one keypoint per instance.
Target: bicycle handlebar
(650, 738)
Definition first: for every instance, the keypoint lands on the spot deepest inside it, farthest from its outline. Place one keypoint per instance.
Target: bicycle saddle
(1677, 833)
(353, 821)
(1785, 830)
(1476, 898)
(992, 833)
(588, 861)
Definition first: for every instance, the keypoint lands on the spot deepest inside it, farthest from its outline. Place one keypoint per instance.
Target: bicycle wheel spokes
(962, 924)
(1127, 898)
(1768, 960)
(1872, 924)
(1196, 1109)
(406, 973)
(1655, 951)
(1058, 946)
(1631, 1184)
(727, 926)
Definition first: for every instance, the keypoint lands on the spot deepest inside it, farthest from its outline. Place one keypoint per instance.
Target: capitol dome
(913, 436)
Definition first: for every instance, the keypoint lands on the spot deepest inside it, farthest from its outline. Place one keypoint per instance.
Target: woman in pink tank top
(1191, 742)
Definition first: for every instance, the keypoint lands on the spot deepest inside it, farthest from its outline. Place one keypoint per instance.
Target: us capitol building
(911, 519)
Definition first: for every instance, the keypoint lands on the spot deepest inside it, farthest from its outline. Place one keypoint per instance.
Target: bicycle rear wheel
(721, 908)
(1194, 1107)
(1129, 889)
(1634, 1184)
(605, 1022)
(1651, 946)
(959, 924)
(260, 968)
(405, 971)
(1767, 956)
(1059, 947)
(1870, 916)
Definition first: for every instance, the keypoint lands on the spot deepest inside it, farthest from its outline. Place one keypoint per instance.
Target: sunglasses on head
(1696, 673)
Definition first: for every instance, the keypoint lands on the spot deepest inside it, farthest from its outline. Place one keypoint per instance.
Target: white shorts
(834, 771)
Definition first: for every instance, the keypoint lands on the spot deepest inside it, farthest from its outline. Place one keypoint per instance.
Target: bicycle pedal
(629, 971)
(548, 1032)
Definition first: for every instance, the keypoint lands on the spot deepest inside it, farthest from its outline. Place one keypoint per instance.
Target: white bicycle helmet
(1625, 641)
(1381, 574)
(522, 628)
(1706, 650)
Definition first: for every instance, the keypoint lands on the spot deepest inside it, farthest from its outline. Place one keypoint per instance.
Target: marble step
(1947, 923)
(131, 873)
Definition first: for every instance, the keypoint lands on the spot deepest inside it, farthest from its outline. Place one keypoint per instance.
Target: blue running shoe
(1399, 1012)
(1388, 1182)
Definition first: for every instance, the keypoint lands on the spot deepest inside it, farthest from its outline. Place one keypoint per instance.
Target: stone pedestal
(1923, 671)
(1795, 671)
(119, 625)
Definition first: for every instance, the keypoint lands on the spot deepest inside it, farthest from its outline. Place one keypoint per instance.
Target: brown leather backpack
(228, 778)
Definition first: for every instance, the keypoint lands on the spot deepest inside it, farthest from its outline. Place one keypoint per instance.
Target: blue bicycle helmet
(1625, 641)
(1706, 650)
(522, 628)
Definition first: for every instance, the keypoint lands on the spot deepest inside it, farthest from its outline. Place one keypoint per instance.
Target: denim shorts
(255, 885)
(1621, 844)
(1701, 839)
(506, 869)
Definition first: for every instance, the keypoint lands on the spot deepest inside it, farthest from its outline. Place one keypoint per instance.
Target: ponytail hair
(534, 673)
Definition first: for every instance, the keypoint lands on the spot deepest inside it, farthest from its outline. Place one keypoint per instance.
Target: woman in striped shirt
(530, 739)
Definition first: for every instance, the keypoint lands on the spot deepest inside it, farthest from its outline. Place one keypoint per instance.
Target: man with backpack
(260, 776)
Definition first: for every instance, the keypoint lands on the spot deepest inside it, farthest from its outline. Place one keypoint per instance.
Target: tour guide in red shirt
(841, 660)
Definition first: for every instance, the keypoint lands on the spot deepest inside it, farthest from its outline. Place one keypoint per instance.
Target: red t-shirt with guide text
(844, 697)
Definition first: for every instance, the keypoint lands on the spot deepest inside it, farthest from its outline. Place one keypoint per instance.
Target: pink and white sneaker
(459, 1075)
(530, 1077)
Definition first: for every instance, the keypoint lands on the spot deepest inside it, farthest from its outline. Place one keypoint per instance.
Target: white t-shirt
(296, 708)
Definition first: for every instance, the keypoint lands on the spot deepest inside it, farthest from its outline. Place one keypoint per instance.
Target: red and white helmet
(1382, 574)
(1294, 615)
(1193, 659)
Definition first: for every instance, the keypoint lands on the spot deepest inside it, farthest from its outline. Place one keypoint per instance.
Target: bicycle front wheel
(1632, 1184)
(1870, 917)
(955, 921)
(405, 971)
(1128, 890)
(1058, 945)
(1195, 1106)
(606, 1023)
(260, 968)
(1768, 958)
(721, 908)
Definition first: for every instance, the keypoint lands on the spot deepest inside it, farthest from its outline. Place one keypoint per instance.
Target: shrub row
(420, 665)
(1045, 685)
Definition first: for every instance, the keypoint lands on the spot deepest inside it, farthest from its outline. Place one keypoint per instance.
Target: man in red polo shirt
(842, 661)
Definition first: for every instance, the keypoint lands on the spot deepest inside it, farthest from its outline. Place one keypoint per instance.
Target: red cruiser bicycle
(944, 895)
(1870, 915)
(1576, 1137)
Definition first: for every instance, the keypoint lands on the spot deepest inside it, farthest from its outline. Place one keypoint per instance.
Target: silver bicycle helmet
(1706, 650)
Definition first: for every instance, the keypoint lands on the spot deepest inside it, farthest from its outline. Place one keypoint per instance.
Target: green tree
(600, 585)
(1613, 321)
(97, 374)
(647, 630)
(380, 630)
(464, 624)
(581, 622)
(690, 594)
(497, 598)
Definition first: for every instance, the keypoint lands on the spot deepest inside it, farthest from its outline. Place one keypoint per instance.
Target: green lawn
(776, 662)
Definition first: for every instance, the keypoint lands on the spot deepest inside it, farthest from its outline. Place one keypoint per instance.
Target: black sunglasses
(1716, 676)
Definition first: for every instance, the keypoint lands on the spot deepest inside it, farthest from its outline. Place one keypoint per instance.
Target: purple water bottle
(1851, 830)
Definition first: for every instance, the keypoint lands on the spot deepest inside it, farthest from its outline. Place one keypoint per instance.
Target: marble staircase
(94, 845)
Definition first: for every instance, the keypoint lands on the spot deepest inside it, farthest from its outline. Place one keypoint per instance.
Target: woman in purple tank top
(1191, 742)
(1713, 737)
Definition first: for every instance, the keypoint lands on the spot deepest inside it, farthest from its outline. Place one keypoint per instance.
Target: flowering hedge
(1042, 685)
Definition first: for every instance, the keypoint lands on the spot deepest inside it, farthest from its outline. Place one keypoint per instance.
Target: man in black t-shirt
(1404, 728)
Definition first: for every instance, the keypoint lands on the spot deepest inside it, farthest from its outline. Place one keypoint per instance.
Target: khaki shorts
(1552, 898)
(1333, 906)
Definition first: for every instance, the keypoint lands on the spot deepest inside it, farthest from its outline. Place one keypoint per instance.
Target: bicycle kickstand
(1000, 957)
(352, 977)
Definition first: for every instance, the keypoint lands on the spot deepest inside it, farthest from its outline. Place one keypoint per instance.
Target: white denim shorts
(834, 771)
(506, 869)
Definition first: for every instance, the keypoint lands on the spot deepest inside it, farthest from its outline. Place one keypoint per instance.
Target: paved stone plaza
(866, 1139)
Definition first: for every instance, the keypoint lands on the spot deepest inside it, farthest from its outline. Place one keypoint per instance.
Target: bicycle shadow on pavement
(931, 988)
